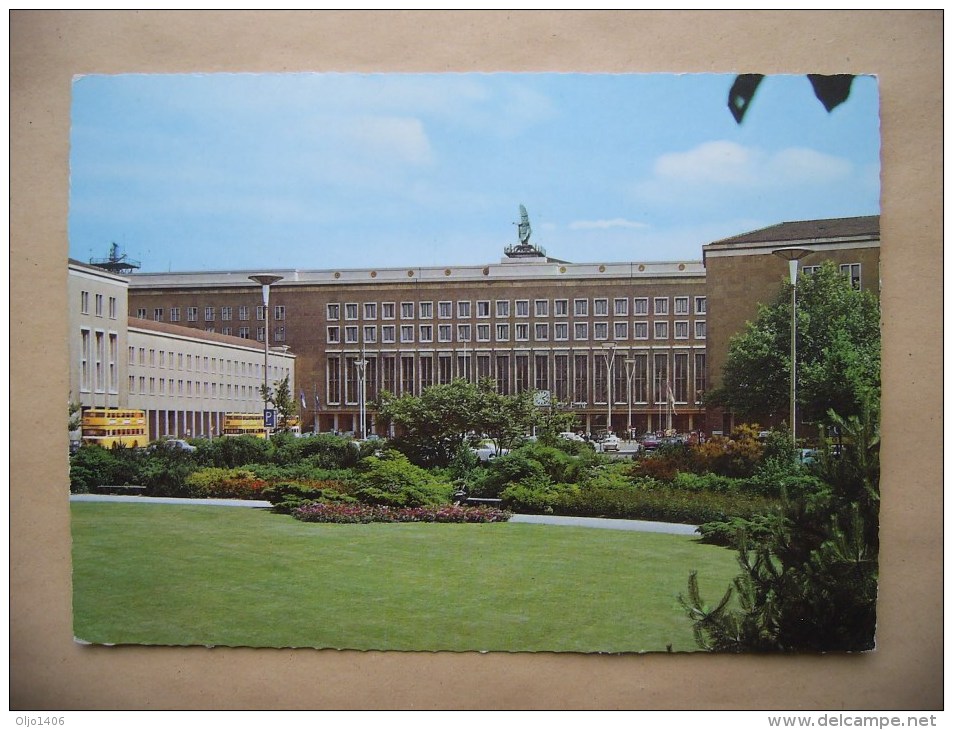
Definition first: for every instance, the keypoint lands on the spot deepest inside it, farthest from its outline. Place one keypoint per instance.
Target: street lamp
(609, 354)
(362, 377)
(629, 366)
(792, 255)
(266, 280)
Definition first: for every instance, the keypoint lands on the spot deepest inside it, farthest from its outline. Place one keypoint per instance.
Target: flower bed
(364, 513)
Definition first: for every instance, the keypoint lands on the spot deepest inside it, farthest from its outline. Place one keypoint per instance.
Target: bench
(483, 501)
(118, 489)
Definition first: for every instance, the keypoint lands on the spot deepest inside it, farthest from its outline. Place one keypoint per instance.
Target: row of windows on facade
(576, 379)
(98, 302)
(184, 388)
(520, 331)
(98, 354)
(192, 313)
(501, 308)
(200, 363)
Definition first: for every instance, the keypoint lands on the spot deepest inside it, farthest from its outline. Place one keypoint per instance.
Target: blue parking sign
(271, 417)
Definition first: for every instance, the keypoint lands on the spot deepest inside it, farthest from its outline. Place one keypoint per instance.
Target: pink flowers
(363, 513)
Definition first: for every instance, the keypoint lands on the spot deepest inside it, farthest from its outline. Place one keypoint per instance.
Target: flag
(317, 402)
(304, 403)
(671, 398)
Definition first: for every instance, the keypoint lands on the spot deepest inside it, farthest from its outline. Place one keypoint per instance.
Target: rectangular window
(426, 333)
(502, 332)
(483, 333)
(141, 313)
(503, 374)
(463, 310)
(502, 307)
(426, 310)
(600, 381)
(619, 382)
(407, 375)
(99, 363)
(334, 312)
(600, 307)
(350, 310)
(426, 371)
(370, 333)
(84, 302)
(661, 330)
(279, 312)
(852, 271)
(463, 333)
(660, 381)
(681, 330)
(173, 314)
(444, 369)
(406, 333)
(334, 335)
(387, 310)
(580, 390)
(621, 307)
(522, 307)
(191, 314)
(701, 329)
(260, 312)
(445, 310)
(541, 372)
(261, 334)
(640, 379)
(483, 309)
(350, 380)
(210, 314)
(522, 331)
(243, 332)
(640, 330)
(350, 334)
(132, 384)
(243, 313)
(370, 310)
(661, 305)
(561, 307)
(445, 333)
(541, 331)
(681, 305)
(212, 329)
(132, 355)
(810, 269)
(226, 330)
(388, 373)
(620, 331)
(561, 331)
(112, 307)
(542, 307)
(388, 333)
(226, 314)
(334, 380)
(522, 373)
(580, 307)
(701, 305)
(680, 385)
(641, 305)
(561, 377)
(157, 314)
(99, 304)
(580, 331)
(406, 310)
(700, 379)
(600, 330)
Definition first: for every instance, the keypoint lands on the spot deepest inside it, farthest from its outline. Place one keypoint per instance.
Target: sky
(195, 172)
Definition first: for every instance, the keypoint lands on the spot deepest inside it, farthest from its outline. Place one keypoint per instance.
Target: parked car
(488, 452)
(570, 436)
(611, 443)
(174, 444)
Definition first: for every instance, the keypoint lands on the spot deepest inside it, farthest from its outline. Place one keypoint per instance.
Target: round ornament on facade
(446, 272)
(410, 272)
(486, 270)
(373, 274)
(602, 269)
(641, 267)
(337, 274)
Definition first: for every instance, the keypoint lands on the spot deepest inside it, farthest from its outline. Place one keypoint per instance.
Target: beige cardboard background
(49, 671)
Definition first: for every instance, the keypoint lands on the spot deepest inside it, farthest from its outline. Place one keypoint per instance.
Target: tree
(838, 353)
(282, 400)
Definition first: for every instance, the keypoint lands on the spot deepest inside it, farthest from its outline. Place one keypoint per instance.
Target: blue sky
(326, 171)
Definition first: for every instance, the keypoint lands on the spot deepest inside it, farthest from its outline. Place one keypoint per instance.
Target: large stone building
(602, 339)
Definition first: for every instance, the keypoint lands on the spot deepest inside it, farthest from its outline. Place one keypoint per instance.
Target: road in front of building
(594, 522)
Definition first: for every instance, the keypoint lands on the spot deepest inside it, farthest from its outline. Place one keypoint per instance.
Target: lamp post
(792, 255)
(266, 280)
(609, 354)
(629, 366)
(362, 377)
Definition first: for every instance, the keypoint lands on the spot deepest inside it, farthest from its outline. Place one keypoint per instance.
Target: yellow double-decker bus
(110, 427)
(244, 424)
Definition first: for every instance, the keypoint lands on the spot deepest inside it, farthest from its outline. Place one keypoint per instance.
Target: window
(660, 383)
(112, 307)
(261, 334)
(680, 385)
(99, 305)
(426, 310)
(243, 313)
(561, 307)
(407, 374)
(191, 314)
(700, 381)
(502, 332)
(541, 368)
(226, 330)
(561, 377)
(173, 314)
(542, 307)
(522, 307)
(406, 310)
(681, 305)
(620, 331)
(141, 312)
(561, 331)
(84, 303)
(350, 334)
(426, 333)
(243, 332)
(810, 269)
(640, 330)
(483, 309)
(852, 271)
(334, 335)
(157, 314)
(580, 307)
(210, 314)
(681, 330)
(701, 305)
(483, 333)
(279, 312)
(541, 331)
(600, 307)
(334, 380)
(641, 305)
(370, 333)
(350, 310)
(522, 331)
(503, 374)
(600, 330)
(580, 331)
(445, 310)
(113, 357)
(640, 379)
(226, 314)
(621, 307)
(502, 307)
(334, 312)
(580, 379)
(84, 360)
(406, 333)
(522, 373)
(260, 312)
(426, 371)
(661, 305)
(661, 330)
(387, 310)
(445, 332)
(463, 332)
(701, 329)
(463, 310)
(444, 369)
(370, 310)
(388, 333)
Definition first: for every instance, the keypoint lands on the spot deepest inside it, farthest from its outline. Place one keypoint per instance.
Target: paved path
(596, 522)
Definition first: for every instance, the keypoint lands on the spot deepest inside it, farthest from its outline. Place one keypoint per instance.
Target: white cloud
(400, 139)
(804, 165)
(605, 224)
(712, 162)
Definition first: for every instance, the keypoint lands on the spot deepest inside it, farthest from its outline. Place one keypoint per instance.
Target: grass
(186, 575)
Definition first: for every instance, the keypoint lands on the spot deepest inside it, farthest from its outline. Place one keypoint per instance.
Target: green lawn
(162, 574)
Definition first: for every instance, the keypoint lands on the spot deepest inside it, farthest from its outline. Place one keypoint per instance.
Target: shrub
(735, 531)
(225, 484)
(707, 483)
(91, 466)
(392, 480)
(230, 452)
(285, 497)
(535, 495)
(363, 514)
